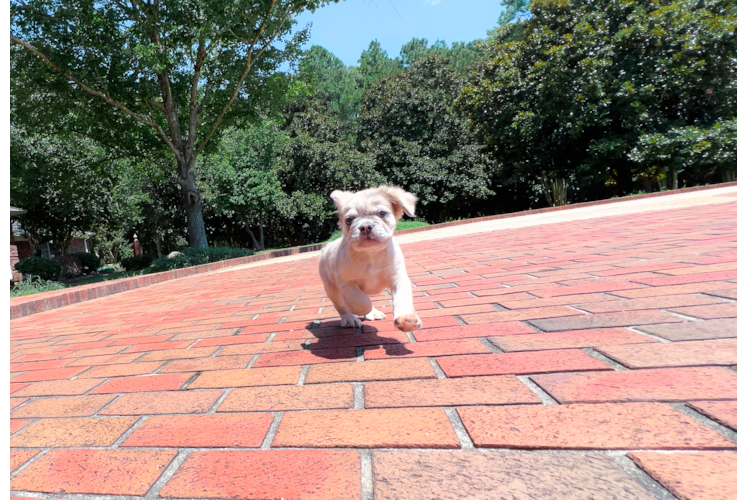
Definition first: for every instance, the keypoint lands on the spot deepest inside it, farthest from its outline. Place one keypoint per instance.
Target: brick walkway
(588, 359)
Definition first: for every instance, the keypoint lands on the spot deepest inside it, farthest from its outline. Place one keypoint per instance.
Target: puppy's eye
(349, 221)
(383, 214)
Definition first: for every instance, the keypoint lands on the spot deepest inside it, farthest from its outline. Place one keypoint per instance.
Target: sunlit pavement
(580, 358)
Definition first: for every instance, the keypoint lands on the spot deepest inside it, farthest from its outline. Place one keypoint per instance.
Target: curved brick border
(27, 305)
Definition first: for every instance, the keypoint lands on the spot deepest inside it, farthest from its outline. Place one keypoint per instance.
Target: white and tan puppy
(367, 259)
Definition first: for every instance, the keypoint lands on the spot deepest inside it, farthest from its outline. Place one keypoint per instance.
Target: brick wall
(13, 260)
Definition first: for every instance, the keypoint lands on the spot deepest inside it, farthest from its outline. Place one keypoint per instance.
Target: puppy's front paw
(349, 320)
(408, 322)
(374, 314)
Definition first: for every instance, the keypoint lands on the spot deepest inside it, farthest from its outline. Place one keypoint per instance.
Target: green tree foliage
(462, 56)
(375, 64)
(419, 141)
(331, 83)
(64, 182)
(691, 153)
(319, 160)
(241, 182)
(179, 70)
(568, 102)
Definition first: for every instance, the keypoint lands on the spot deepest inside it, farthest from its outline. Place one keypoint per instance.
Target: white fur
(367, 260)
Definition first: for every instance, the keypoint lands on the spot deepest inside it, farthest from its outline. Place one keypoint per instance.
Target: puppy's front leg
(349, 301)
(406, 318)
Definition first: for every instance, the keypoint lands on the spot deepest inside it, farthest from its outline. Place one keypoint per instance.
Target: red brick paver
(101, 472)
(714, 352)
(451, 392)
(676, 384)
(302, 475)
(599, 426)
(566, 339)
(696, 476)
(724, 412)
(202, 431)
(72, 432)
(419, 475)
(396, 428)
(521, 363)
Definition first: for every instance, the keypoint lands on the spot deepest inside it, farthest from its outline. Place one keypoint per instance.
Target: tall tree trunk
(259, 245)
(193, 204)
(674, 179)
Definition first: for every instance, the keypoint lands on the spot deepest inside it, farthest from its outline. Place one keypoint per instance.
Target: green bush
(197, 256)
(89, 262)
(137, 262)
(36, 266)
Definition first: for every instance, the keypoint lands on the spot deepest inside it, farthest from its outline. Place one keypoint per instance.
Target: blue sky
(347, 27)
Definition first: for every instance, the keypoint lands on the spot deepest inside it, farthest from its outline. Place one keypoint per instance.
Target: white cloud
(432, 2)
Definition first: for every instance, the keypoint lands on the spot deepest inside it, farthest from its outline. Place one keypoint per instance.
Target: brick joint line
(705, 420)
(546, 398)
(214, 408)
(462, 434)
(438, 369)
(153, 492)
(605, 359)
(640, 476)
(268, 441)
(367, 476)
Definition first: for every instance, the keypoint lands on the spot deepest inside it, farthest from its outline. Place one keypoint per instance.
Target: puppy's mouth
(368, 240)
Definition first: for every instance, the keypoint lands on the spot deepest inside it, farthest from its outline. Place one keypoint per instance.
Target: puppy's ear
(401, 200)
(339, 198)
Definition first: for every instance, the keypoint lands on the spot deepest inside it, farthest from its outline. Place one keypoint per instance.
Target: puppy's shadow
(331, 341)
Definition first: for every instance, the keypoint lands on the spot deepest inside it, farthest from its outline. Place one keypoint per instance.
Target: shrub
(89, 262)
(34, 285)
(197, 256)
(36, 266)
(137, 262)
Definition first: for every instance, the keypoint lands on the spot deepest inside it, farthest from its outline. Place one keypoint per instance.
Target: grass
(401, 224)
(34, 285)
(103, 277)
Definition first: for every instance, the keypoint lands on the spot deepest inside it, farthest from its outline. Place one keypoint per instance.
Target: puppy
(367, 259)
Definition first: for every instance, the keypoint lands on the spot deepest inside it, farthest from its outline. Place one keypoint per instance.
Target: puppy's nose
(366, 228)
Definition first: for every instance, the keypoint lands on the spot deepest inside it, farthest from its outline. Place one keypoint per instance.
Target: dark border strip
(33, 304)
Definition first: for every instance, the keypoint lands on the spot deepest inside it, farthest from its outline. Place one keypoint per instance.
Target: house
(20, 246)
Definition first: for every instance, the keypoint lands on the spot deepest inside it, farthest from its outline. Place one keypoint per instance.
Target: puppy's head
(368, 218)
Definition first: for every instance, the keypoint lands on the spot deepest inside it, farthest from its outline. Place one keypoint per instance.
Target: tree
(63, 182)
(566, 103)
(318, 160)
(461, 56)
(514, 11)
(698, 154)
(421, 143)
(241, 180)
(375, 64)
(182, 70)
(331, 83)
